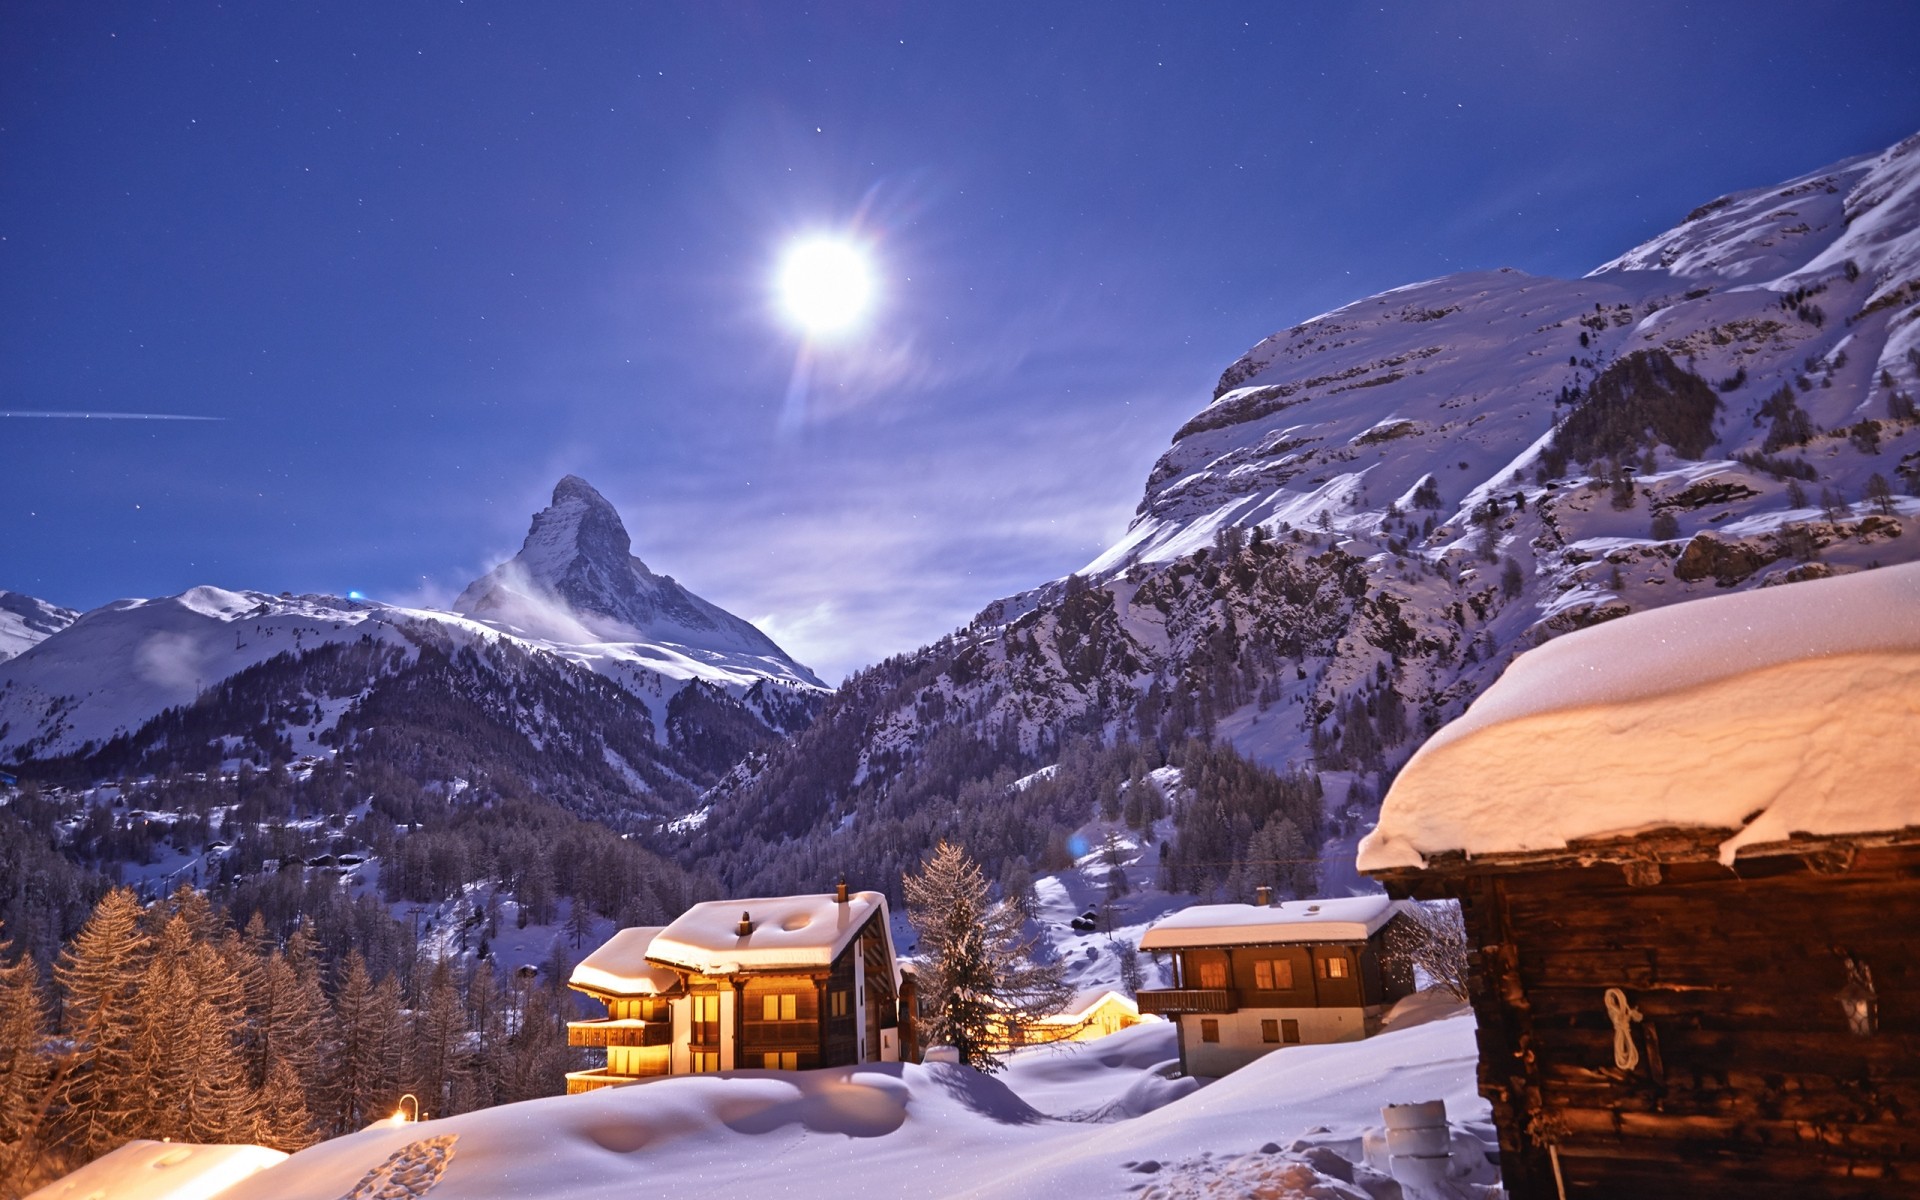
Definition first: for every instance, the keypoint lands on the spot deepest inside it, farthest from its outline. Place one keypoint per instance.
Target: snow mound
(902, 1130)
(1774, 712)
(148, 1170)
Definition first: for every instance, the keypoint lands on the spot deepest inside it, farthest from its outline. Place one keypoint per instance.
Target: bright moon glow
(826, 285)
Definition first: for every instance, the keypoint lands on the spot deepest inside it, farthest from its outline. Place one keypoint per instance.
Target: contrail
(109, 416)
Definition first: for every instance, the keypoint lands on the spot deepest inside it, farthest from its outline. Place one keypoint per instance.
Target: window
(706, 1019)
(784, 1060)
(1333, 968)
(779, 1006)
(1269, 1031)
(1209, 1029)
(703, 1061)
(1273, 974)
(837, 1004)
(1213, 973)
(1290, 1031)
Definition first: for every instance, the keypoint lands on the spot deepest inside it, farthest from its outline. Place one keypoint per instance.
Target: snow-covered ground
(1057, 1122)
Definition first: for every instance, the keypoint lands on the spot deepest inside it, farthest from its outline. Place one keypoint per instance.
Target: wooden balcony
(1170, 1002)
(780, 1035)
(587, 1081)
(605, 1032)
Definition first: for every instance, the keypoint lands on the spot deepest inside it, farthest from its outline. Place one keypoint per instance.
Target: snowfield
(1295, 1123)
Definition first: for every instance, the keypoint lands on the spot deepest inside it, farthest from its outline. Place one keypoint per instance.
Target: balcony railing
(1167, 1002)
(781, 1035)
(587, 1081)
(606, 1032)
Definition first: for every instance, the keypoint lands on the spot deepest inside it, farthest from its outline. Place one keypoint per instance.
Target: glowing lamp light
(825, 285)
(400, 1116)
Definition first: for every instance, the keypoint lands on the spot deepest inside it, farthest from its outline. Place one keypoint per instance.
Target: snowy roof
(1347, 919)
(1781, 711)
(145, 1170)
(620, 967)
(788, 932)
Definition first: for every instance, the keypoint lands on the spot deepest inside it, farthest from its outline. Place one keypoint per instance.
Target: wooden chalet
(1249, 979)
(1687, 847)
(780, 983)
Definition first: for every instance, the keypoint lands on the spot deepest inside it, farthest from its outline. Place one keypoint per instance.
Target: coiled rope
(1626, 1055)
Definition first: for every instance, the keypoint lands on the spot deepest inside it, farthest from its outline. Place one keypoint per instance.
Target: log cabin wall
(1770, 1017)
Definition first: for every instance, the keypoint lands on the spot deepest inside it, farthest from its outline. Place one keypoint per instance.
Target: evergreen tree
(99, 974)
(982, 989)
(191, 1082)
(25, 1070)
(438, 1042)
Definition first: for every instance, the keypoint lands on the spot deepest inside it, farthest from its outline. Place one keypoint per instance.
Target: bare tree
(1433, 938)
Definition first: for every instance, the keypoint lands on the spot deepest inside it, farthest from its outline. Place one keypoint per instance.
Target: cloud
(174, 661)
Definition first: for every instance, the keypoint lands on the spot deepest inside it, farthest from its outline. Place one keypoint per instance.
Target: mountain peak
(576, 580)
(580, 529)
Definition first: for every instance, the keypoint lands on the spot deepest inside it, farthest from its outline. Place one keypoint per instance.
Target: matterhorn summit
(577, 581)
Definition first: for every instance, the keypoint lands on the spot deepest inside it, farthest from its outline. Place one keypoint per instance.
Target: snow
(147, 1170)
(1090, 1118)
(620, 967)
(25, 622)
(1350, 918)
(1773, 712)
(788, 932)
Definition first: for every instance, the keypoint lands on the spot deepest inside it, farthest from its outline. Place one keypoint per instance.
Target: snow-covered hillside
(26, 621)
(1381, 507)
(1095, 1118)
(107, 672)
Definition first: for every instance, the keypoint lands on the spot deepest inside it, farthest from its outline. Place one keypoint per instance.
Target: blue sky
(421, 260)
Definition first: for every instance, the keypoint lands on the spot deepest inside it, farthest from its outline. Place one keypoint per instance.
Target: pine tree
(438, 1042)
(360, 1085)
(191, 1079)
(25, 1068)
(98, 974)
(982, 990)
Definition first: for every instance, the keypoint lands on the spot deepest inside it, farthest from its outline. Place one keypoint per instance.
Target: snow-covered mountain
(26, 621)
(576, 581)
(708, 685)
(1380, 507)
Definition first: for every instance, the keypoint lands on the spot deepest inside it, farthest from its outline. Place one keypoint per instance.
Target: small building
(1249, 979)
(1092, 1016)
(781, 982)
(1686, 844)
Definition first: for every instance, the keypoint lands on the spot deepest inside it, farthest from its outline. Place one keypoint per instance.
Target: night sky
(420, 260)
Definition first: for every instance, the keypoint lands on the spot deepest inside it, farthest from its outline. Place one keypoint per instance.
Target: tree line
(167, 1021)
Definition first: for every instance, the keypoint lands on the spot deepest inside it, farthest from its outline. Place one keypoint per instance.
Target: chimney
(840, 892)
(1263, 896)
(746, 925)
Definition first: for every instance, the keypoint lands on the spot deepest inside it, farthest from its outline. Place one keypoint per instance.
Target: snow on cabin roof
(147, 1170)
(789, 932)
(1347, 919)
(620, 967)
(1781, 711)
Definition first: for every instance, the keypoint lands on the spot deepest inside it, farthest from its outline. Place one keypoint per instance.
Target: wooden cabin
(1687, 847)
(1249, 979)
(778, 983)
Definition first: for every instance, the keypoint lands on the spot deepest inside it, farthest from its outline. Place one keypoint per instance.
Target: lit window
(703, 1061)
(786, 1060)
(1213, 973)
(779, 1007)
(837, 1004)
(1209, 1029)
(1273, 974)
(1333, 968)
(1269, 1031)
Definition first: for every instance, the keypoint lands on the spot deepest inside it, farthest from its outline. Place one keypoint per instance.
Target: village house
(781, 983)
(1249, 979)
(1687, 847)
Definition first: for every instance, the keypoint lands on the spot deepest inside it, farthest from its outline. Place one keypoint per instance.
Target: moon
(826, 285)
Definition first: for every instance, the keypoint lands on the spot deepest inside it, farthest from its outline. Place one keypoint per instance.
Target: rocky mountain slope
(1380, 507)
(26, 621)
